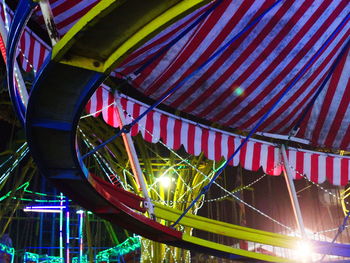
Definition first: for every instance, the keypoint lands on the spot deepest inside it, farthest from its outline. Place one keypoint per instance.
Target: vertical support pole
(81, 242)
(134, 161)
(88, 238)
(67, 232)
(49, 22)
(61, 227)
(292, 193)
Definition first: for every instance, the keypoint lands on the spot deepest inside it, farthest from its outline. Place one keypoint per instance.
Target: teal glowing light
(7, 250)
(84, 259)
(129, 245)
(238, 91)
(36, 258)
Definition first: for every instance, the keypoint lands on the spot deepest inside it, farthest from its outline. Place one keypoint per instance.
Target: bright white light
(42, 210)
(304, 251)
(165, 181)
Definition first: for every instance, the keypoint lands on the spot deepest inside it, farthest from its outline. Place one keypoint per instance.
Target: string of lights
(217, 184)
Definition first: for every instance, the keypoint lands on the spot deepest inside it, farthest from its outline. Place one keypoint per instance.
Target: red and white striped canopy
(238, 86)
(241, 84)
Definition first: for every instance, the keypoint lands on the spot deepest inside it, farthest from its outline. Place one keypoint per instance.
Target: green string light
(129, 245)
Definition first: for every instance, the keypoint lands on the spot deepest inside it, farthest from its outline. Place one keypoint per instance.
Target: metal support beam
(49, 22)
(292, 193)
(134, 161)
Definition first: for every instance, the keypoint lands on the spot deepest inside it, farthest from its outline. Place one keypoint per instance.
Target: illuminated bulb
(165, 181)
(238, 91)
(304, 251)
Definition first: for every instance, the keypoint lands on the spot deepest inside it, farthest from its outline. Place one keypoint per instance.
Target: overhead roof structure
(276, 44)
(270, 66)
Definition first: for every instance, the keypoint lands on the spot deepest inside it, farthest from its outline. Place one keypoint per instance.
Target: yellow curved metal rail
(114, 28)
(230, 230)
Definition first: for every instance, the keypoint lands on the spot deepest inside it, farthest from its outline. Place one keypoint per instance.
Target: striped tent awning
(294, 44)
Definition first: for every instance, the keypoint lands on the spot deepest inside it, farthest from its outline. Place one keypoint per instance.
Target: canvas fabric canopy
(238, 86)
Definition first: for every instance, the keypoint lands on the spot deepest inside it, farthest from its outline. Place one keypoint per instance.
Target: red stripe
(199, 36)
(88, 106)
(177, 134)
(23, 48)
(163, 128)
(3, 49)
(123, 103)
(270, 162)
(286, 70)
(41, 55)
(314, 168)
(135, 114)
(205, 137)
(74, 17)
(282, 126)
(256, 156)
(110, 112)
(99, 102)
(31, 52)
(149, 126)
(345, 142)
(217, 145)
(270, 48)
(343, 106)
(329, 169)
(231, 147)
(299, 165)
(344, 171)
(243, 154)
(191, 138)
(234, 66)
(157, 42)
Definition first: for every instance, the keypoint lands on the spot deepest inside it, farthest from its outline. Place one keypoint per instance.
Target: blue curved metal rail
(20, 19)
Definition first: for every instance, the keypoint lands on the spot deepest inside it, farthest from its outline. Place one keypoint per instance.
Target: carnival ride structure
(262, 66)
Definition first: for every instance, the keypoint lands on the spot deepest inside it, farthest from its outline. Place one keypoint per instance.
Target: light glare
(165, 181)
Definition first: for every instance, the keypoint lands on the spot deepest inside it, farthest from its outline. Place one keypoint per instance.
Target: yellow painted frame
(149, 29)
(225, 229)
(236, 251)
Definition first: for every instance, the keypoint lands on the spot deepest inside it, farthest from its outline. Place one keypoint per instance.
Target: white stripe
(211, 144)
(249, 156)
(170, 132)
(93, 103)
(293, 163)
(151, 51)
(336, 171)
(263, 157)
(277, 160)
(274, 55)
(36, 55)
(296, 104)
(184, 134)
(321, 169)
(224, 19)
(224, 146)
(130, 112)
(198, 140)
(238, 142)
(142, 122)
(156, 127)
(307, 165)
